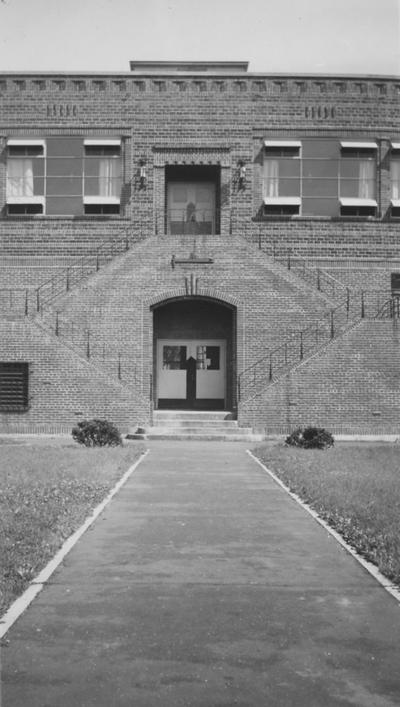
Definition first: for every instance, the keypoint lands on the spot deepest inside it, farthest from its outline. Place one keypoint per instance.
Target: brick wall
(353, 387)
(63, 388)
(190, 120)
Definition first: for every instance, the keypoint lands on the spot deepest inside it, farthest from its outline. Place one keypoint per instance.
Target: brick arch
(210, 293)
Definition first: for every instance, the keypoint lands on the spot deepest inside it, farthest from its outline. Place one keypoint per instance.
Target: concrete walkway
(205, 585)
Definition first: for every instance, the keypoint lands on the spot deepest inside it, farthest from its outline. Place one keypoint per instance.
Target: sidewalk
(204, 585)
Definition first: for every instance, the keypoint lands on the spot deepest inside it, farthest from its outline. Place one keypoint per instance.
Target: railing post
(26, 302)
(37, 300)
(362, 305)
(347, 302)
(67, 284)
(289, 264)
(56, 331)
(119, 366)
(332, 325)
(126, 243)
(270, 367)
(88, 344)
(97, 262)
(285, 349)
(301, 346)
(318, 279)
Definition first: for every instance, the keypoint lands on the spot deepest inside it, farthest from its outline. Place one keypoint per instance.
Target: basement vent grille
(13, 386)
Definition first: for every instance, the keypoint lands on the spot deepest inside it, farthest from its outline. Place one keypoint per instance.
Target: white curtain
(366, 180)
(108, 177)
(271, 178)
(19, 177)
(395, 179)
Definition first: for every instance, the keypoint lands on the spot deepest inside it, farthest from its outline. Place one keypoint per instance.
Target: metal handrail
(304, 343)
(74, 274)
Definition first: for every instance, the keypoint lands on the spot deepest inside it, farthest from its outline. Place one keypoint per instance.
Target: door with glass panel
(191, 373)
(191, 208)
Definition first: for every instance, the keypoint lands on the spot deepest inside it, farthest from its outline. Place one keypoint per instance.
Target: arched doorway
(194, 354)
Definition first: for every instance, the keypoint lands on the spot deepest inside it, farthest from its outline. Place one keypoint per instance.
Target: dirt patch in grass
(355, 488)
(46, 492)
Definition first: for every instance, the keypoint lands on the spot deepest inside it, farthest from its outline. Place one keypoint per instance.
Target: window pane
(174, 358)
(103, 176)
(395, 178)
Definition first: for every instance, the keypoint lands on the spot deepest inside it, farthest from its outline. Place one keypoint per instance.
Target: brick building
(192, 236)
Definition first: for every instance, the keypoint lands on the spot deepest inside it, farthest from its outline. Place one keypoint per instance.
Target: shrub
(96, 433)
(310, 438)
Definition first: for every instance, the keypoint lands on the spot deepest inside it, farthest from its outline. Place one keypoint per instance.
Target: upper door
(191, 208)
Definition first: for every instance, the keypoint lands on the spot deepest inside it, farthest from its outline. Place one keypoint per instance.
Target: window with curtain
(395, 178)
(357, 186)
(20, 177)
(25, 178)
(281, 179)
(358, 174)
(102, 176)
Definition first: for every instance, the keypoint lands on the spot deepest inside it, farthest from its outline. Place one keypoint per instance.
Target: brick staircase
(194, 425)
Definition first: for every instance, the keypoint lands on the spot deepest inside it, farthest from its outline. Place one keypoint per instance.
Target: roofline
(173, 74)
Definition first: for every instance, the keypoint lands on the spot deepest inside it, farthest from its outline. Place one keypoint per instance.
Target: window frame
(36, 204)
(394, 158)
(98, 200)
(366, 207)
(34, 200)
(282, 206)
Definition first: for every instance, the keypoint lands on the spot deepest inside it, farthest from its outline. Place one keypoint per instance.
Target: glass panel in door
(191, 208)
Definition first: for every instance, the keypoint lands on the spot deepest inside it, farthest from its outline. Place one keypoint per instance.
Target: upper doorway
(192, 200)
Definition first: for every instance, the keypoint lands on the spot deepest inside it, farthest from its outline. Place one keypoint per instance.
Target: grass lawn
(47, 490)
(355, 488)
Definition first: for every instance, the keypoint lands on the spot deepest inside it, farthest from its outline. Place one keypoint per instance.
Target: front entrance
(191, 374)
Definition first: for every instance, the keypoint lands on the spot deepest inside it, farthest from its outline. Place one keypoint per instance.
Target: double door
(191, 373)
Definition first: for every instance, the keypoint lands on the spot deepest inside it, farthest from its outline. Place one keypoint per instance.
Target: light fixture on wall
(142, 174)
(241, 175)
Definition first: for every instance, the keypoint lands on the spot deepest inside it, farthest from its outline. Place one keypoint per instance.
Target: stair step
(192, 414)
(210, 437)
(197, 429)
(178, 424)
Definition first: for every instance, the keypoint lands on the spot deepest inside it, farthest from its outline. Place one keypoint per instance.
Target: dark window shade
(24, 209)
(395, 282)
(25, 151)
(14, 385)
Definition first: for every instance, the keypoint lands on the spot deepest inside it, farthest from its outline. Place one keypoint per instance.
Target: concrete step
(218, 425)
(216, 437)
(195, 422)
(198, 429)
(192, 414)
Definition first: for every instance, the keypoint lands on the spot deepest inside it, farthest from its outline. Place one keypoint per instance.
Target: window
(14, 386)
(395, 284)
(102, 176)
(25, 176)
(357, 180)
(174, 358)
(63, 176)
(282, 183)
(395, 179)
